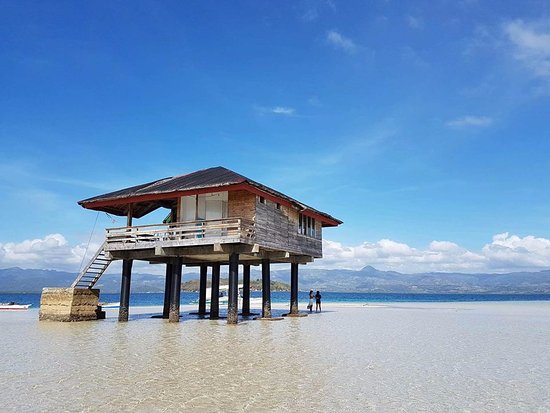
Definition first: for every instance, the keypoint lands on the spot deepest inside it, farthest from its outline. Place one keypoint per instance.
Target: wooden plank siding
(278, 229)
(249, 221)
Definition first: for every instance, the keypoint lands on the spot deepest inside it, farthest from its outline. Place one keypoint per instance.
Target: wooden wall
(278, 229)
(275, 228)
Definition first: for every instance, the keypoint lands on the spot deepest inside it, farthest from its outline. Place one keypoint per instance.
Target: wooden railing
(180, 234)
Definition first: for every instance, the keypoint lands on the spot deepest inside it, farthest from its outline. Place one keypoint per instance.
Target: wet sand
(430, 357)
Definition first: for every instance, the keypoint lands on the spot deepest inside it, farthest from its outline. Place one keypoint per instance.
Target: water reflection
(382, 359)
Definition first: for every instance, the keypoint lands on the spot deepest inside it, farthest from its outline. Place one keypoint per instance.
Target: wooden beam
(129, 215)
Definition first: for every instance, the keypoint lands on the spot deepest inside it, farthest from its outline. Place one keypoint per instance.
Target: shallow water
(479, 357)
(156, 299)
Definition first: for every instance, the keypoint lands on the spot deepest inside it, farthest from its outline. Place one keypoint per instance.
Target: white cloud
(470, 121)
(339, 41)
(276, 110)
(505, 253)
(51, 252)
(414, 22)
(281, 110)
(531, 44)
(511, 251)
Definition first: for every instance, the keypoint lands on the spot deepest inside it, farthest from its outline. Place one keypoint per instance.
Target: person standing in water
(317, 301)
(310, 305)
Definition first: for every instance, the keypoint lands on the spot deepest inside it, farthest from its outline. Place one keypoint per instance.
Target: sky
(423, 125)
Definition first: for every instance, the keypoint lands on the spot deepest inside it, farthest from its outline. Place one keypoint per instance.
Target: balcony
(181, 234)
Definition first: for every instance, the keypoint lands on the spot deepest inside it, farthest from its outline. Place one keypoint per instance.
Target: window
(278, 206)
(306, 225)
(204, 206)
(262, 200)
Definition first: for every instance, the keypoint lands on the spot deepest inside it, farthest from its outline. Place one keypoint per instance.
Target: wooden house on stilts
(217, 217)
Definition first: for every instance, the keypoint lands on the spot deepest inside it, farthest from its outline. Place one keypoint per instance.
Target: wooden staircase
(94, 270)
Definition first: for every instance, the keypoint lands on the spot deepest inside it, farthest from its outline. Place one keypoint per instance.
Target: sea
(362, 353)
(156, 299)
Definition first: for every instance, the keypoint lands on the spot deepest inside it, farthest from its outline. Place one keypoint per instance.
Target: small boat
(13, 306)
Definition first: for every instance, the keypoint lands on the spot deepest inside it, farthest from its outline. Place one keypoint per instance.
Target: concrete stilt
(294, 288)
(266, 288)
(246, 290)
(167, 290)
(174, 314)
(202, 290)
(233, 295)
(215, 292)
(125, 290)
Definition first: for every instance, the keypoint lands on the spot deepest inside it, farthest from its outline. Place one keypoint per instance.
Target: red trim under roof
(325, 220)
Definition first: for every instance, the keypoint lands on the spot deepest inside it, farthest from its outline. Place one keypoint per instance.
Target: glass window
(306, 225)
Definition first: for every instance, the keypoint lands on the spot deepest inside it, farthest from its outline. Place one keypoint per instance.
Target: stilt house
(216, 217)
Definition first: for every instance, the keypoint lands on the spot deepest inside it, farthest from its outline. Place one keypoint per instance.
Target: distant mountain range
(367, 279)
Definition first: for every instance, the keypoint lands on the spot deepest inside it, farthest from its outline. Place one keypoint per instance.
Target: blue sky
(412, 122)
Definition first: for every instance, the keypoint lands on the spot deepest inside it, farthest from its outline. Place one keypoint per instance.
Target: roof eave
(248, 185)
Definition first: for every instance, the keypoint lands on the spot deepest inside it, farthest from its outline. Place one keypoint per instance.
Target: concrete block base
(70, 304)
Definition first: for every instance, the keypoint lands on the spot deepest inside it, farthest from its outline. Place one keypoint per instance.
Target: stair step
(94, 270)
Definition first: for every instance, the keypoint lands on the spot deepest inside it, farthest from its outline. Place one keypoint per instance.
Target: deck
(208, 233)
(181, 234)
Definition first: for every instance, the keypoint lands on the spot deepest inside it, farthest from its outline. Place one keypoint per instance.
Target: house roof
(164, 192)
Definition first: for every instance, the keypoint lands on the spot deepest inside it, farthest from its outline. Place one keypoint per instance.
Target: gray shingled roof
(206, 178)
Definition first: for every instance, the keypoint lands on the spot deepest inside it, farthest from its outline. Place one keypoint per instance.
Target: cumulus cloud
(340, 41)
(511, 251)
(470, 121)
(505, 253)
(51, 252)
(531, 44)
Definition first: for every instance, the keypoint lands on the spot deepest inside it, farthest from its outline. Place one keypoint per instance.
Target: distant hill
(255, 285)
(16, 279)
(367, 279)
